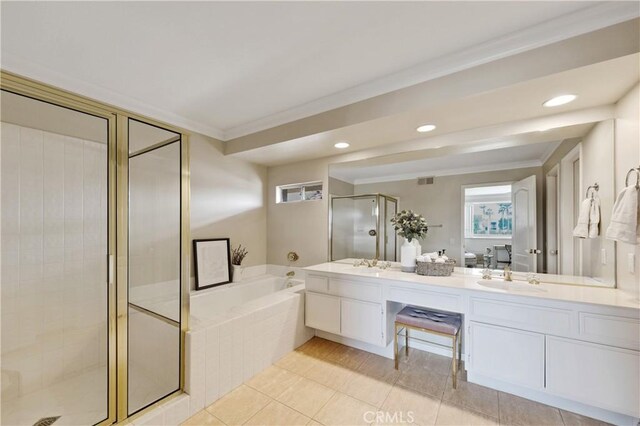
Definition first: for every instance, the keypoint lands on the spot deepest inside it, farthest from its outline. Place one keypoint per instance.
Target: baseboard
(554, 401)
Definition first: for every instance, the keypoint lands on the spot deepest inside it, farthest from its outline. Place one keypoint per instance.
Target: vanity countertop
(463, 279)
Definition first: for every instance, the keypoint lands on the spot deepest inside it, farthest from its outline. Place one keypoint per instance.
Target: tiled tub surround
(228, 347)
(54, 305)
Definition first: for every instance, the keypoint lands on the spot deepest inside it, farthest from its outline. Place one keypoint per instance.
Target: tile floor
(325, 383)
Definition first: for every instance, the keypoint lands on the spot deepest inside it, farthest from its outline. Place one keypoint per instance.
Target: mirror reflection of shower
(360, 227)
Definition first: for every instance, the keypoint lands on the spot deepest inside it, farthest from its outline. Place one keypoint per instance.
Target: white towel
(594, 218)
(625, 217)
(582, 228)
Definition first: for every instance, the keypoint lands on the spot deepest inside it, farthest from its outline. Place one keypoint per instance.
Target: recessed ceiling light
(342, 145)
(426, 128)
(559, 100)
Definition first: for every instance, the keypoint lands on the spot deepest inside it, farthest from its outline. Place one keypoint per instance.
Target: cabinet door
(322, 312)
(507, 354)
(598, 375)
(362, 321)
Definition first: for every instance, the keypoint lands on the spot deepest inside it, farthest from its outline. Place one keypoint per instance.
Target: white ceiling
(231, 68)
(504, 112)
(530, 155)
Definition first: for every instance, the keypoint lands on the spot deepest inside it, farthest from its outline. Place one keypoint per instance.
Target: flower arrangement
(410, 225)
(238, 254)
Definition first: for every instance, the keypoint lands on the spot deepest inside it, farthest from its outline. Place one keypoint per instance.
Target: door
(551, 247)
(502, 353)
(322, 312)
(362, 321)
(524, 255)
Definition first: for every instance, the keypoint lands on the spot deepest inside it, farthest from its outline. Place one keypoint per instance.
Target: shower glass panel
(154, 264)
(54, 172)
(360, 227)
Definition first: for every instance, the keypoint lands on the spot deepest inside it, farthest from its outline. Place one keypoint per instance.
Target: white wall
(54, 246)
(303, 226)
(596, 164)
(228, 199)
(627, 155)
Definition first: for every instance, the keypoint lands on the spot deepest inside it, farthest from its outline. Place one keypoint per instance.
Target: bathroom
(118, 182)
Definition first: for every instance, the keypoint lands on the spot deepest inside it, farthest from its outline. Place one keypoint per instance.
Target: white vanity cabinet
(345, 308)
(507, 354)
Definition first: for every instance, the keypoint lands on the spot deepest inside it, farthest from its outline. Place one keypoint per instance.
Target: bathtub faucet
(291, 274)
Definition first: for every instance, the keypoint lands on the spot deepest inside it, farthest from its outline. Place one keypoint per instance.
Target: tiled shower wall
(53, 265)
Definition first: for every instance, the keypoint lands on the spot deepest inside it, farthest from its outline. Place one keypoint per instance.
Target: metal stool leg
(454, 363)
(395, 345)
(459, 349)
(406, 341)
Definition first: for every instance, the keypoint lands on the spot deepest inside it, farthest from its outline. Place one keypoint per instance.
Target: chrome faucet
(507, 273)
(533, 279)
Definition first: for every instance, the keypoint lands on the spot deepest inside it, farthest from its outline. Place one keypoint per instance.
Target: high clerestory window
(308, 191)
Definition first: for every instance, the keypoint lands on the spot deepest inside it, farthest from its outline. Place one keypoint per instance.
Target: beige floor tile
(475, 397)
(573, 419)
(519, 411)
(379, 367)
(416, 358)
(318, 348)
(297, 362)
(330, 375)
(273, 381)
(203, 418)
(344, 410)
(410, 407)
(239, 405)
(451, 414)
(438, 364)
(314, 423)
(306, 396)
(370, 390)
(347, 357)
(423, 381)
(276, 414)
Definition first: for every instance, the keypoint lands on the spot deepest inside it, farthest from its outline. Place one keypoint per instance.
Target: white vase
(408, 256)
(236, 271)
(416, 243)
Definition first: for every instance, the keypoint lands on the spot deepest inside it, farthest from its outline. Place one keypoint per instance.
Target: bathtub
(238, 330)
(231, 299)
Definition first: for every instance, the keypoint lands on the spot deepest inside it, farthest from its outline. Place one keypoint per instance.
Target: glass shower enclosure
(360, 227)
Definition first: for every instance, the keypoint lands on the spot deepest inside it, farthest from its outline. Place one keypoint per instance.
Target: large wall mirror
(513, 202)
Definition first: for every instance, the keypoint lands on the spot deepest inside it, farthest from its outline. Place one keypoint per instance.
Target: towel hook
(626, 179)
(595, 188)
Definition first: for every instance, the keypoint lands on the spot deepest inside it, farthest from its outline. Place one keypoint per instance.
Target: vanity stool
(430, 321)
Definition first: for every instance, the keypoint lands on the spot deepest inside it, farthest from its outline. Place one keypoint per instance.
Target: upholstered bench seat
(441, 322)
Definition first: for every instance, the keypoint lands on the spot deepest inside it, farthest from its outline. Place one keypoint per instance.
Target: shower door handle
(373, 232)
(111, 266)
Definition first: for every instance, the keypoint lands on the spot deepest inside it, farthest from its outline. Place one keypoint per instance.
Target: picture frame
(212, 261)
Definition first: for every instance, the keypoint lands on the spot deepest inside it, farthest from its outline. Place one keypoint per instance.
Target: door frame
(552, 216)
(117, 267)
(567, 212)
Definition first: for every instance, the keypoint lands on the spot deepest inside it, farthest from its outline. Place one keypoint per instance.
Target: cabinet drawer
(355, 290)
(610, 330)
(517, 315)
(322, 312)
(316, 283)
(427, 299)
(514, 356)
(598, 375)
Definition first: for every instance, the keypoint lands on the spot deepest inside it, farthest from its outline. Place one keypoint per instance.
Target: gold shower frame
(118, 196)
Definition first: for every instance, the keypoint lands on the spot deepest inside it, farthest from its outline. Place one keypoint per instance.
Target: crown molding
(26, 68)
(593, 18)
(451, 172)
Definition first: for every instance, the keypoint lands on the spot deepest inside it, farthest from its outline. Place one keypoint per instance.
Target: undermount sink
(511, 285)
